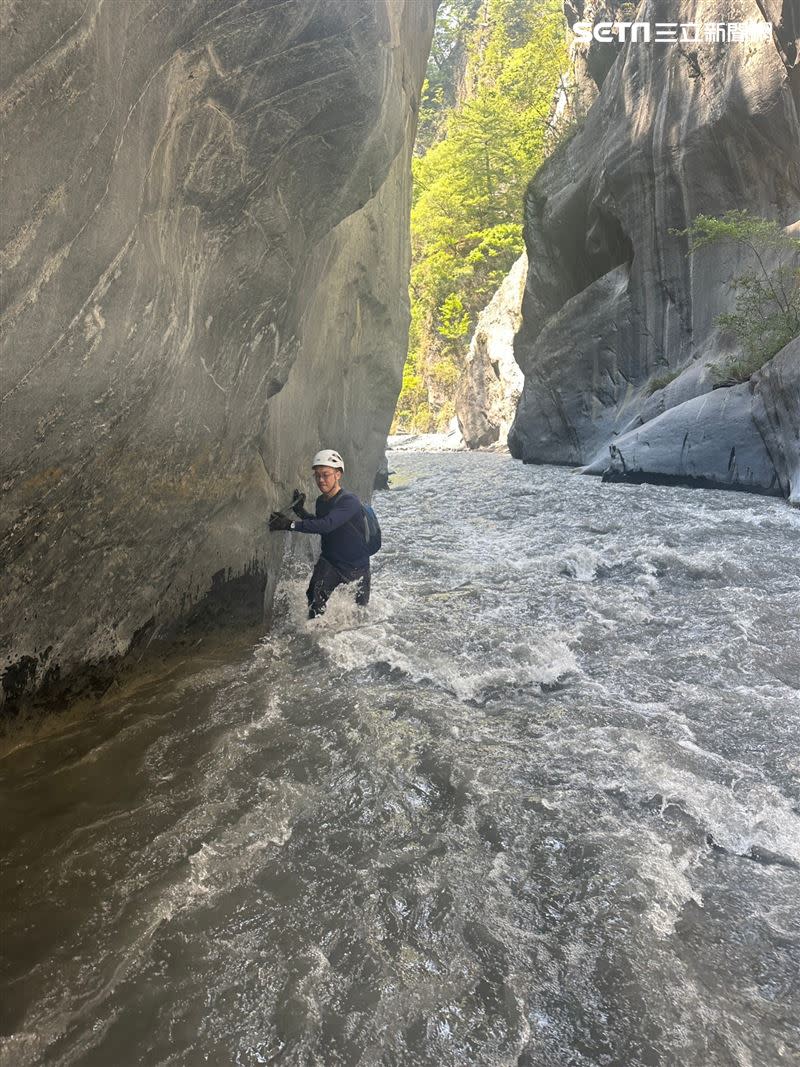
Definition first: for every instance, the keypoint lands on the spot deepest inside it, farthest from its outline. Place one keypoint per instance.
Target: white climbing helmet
(328, 458)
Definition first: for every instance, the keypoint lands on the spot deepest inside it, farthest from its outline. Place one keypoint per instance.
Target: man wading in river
(340, 522)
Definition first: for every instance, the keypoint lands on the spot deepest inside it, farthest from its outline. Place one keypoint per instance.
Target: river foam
(538, 804)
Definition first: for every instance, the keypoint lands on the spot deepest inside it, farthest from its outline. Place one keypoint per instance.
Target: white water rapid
(538, 806)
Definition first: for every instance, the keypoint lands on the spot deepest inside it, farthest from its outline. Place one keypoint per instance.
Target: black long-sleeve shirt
(339, 522)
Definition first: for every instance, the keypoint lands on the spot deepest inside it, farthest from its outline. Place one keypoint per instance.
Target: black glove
(279, 522)
(298, 500)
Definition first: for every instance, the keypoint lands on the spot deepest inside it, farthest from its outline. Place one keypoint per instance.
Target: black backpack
(372, 529)
(369, 528)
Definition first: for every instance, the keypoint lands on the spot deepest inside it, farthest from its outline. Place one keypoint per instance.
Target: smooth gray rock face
(558, 420)
(776, 403)
(746, 437)
(612, 302)
(491, 384)
(205, 209)
(720, 446)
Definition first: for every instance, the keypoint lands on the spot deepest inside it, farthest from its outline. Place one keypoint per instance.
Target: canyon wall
(491, 382)
(619, 340)
(205, 256)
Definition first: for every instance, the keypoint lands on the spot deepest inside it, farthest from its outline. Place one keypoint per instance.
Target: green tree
(453, 318)
(766, 314)
(466, 221)
(455, 24)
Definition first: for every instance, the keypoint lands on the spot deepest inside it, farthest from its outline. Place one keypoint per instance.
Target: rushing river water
(540, 806)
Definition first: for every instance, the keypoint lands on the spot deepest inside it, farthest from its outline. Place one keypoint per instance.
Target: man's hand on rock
(298, 500)
(279, 522)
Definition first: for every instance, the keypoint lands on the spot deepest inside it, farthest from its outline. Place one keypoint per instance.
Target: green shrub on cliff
(766, 313)
(478, 156)
(661, 382)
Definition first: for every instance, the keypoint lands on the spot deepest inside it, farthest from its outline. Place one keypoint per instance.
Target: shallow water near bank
(538, 805)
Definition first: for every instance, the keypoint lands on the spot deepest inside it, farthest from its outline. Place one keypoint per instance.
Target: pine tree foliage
(478, 154)
(444, 82)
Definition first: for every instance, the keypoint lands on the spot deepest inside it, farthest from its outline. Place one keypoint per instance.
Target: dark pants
(325, 578)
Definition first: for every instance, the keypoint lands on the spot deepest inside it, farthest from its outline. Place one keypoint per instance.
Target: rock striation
(719, 446)
(613, 307)
(746, 437)
(205, 252)
(491, 382)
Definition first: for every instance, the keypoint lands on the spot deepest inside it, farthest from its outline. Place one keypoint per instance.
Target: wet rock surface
(204, 217)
